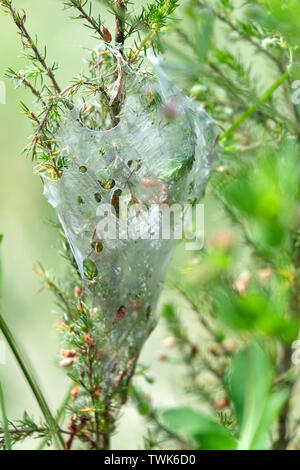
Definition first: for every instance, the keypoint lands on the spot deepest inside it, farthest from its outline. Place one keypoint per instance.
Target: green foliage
(208, 434)
(238, 62)
(7, 439)
(243, 288)
(278, 15)
(102, 77)
(33, 383)
(158, 12)
(25, 428)
(256, 407)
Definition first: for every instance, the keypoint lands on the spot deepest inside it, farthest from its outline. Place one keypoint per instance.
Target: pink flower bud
(170, 341)
(265, 274)
(67, 362)
(241, 283)
(78, 291)
(65, 353)
(162, 357)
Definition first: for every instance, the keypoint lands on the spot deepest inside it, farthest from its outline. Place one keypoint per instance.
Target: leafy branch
(255, 106)
(29, 43)
(93, 23)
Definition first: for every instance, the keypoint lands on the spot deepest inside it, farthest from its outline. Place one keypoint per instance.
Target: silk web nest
(161, 152)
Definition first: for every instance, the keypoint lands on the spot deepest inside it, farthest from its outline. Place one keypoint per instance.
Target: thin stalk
(147, 38)
(5, 421)
(120, 32)
(30, 378)
(59, 416)
(255, 106)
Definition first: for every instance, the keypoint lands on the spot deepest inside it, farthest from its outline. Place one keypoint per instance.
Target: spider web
(161, 152)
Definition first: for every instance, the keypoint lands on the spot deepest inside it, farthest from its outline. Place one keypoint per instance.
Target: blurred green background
(29, 237)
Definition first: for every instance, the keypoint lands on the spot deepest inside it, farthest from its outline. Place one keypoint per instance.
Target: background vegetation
(229, 332)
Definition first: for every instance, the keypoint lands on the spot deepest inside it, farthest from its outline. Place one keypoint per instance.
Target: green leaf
(5, 421)
(208, 434)
(280, 15)
(270, 414)
(254, 312)
(250, 388)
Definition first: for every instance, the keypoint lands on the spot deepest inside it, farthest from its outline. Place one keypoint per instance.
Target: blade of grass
(1, 238)
(59, 416)
(35, 388)
(7, 439)
(5, 421)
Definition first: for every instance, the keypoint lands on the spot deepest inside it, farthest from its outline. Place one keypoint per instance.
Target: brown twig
(77, 4)
(120, 26)
(283, 435)
(33, 90)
